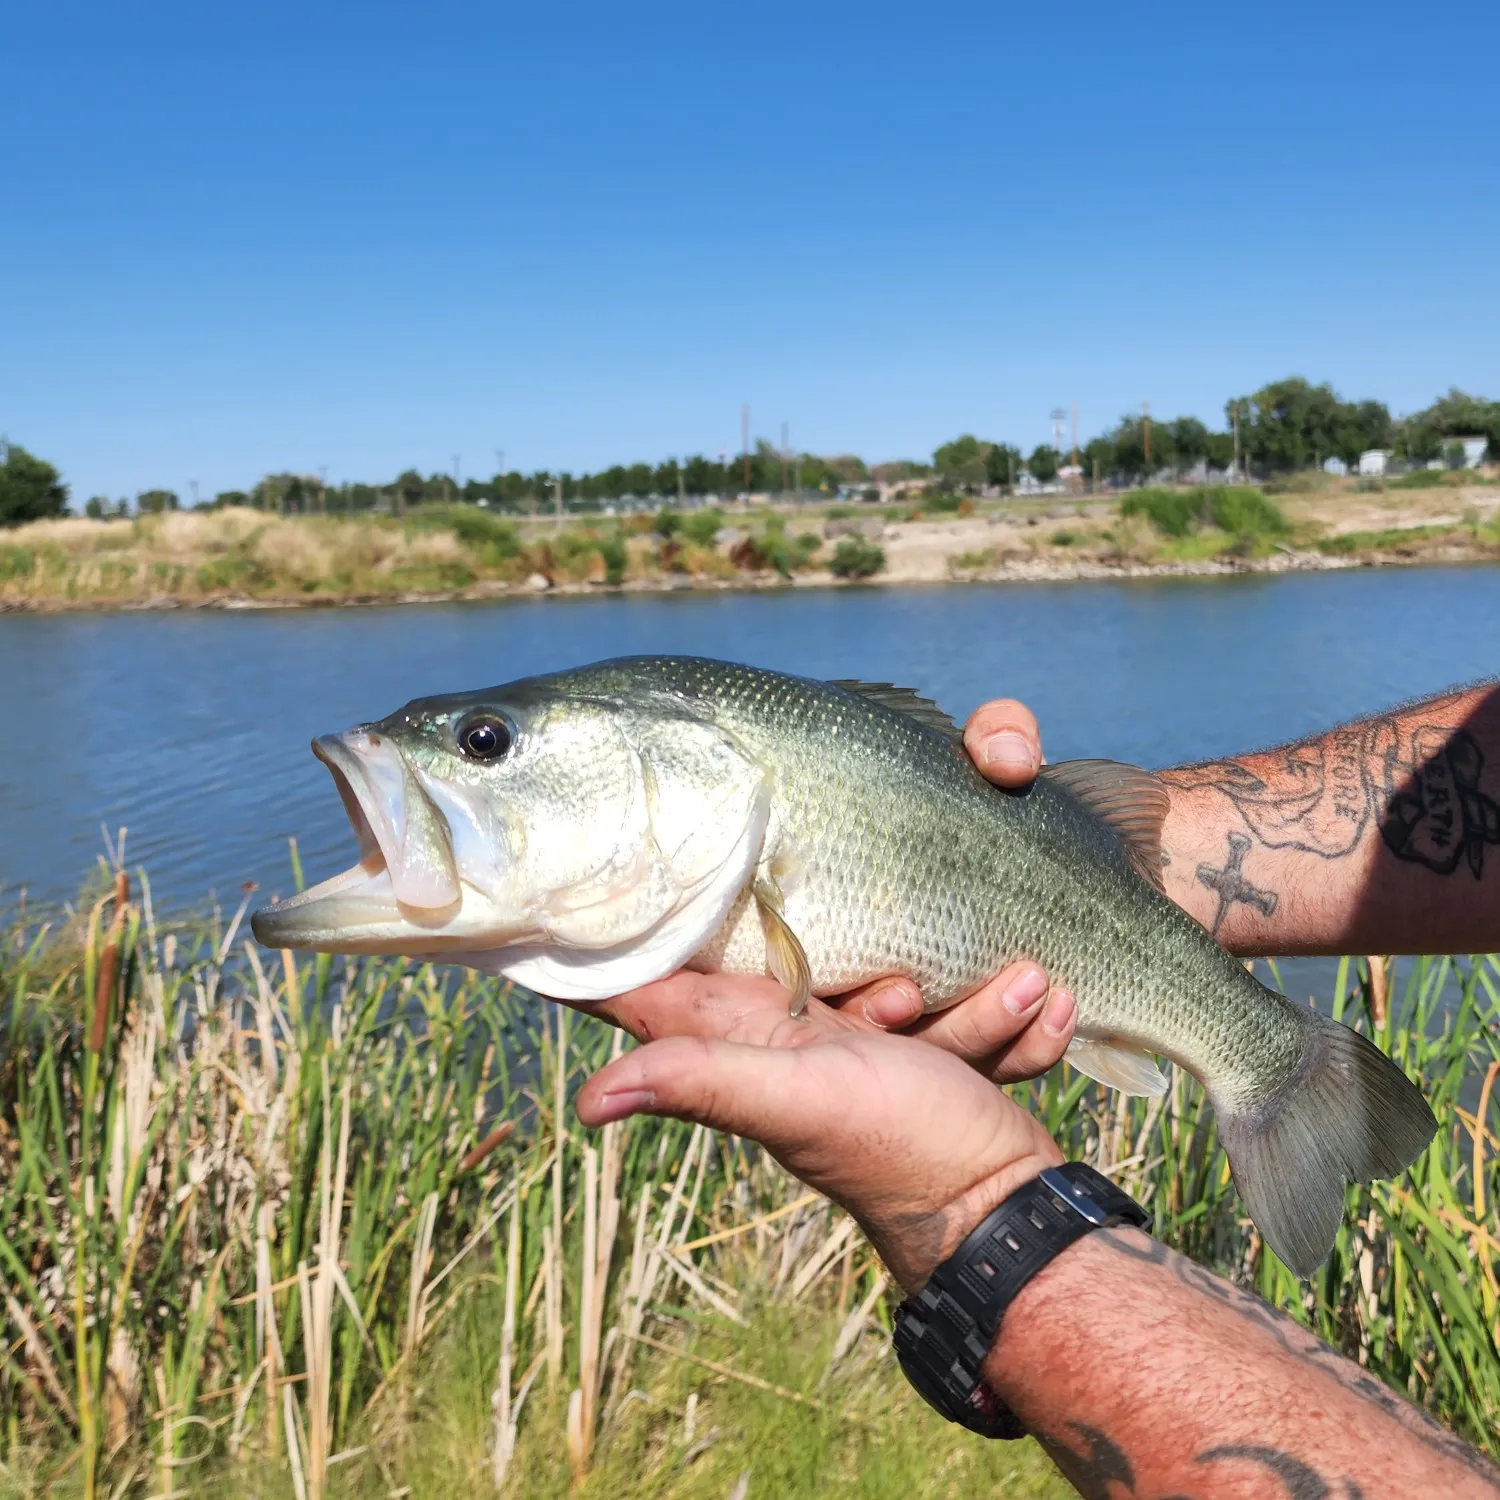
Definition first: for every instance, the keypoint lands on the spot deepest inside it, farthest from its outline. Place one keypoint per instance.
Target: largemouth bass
(597, 829)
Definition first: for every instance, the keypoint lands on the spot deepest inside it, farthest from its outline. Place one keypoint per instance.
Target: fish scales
(906, 861)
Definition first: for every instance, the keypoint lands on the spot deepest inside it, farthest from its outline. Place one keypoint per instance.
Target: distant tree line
(1287, 425)
(1290, 424)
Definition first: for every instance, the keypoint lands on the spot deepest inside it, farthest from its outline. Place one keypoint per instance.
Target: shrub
(1175, 513)
(668, 522)
(773, 548)
(856, 558)
(701, 528)
(16, 562)
(494, 539)
(1421, 479)
(612, 550)
(947, 501)
(1064, 538)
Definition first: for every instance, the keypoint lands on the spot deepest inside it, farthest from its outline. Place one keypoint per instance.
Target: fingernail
(1024, 992)
(626, 1102)
(1008, 749)
(1059, 1013)
(893, 1005)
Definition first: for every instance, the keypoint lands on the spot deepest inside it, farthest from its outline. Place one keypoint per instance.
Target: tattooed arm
(1145, 1375)
(1382, 836)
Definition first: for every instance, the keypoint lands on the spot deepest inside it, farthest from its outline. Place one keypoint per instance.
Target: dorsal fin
(1132, 801)
(902, 700)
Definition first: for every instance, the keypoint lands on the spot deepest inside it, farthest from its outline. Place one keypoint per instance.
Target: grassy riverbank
(240, 557)
(334, 1225)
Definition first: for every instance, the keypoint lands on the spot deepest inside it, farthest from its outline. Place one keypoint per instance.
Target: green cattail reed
(233, 1234)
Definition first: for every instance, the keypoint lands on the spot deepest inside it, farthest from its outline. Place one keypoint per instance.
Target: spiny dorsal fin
(902, 700)
(1132, 801)
(784, 955)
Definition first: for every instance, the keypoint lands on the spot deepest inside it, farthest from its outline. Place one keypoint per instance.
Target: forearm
(1382, 836)
(1144, 1374)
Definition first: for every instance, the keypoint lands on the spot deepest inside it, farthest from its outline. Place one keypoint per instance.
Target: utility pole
(1073, 462)
(456, 485)
(557, 489)
(193, 485)
(322, 488)
(1234, 413)
(1146, 430)
(785, 455)
(745, 442)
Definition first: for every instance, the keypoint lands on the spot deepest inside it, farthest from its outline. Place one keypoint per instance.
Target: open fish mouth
(406, 879)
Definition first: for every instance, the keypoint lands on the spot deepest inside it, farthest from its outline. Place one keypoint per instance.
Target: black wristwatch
(944, 1334)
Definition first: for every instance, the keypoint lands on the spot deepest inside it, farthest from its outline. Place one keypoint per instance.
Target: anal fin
(784, 955)
(1117, 1065)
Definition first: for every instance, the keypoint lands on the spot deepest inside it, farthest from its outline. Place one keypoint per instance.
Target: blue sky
(293, 236)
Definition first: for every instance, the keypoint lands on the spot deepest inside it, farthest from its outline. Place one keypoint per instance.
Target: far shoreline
(1041, 571)
(242, 559)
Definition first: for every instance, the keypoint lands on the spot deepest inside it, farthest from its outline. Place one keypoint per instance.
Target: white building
(1372, 462)
(1474, 450)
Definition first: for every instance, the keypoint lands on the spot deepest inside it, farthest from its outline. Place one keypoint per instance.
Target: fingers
(727, 1007)
(746, 1090)
(1015, 1027)
(883, 1004)
(1003, 740)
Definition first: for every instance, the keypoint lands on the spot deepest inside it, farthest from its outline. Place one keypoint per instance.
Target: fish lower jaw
(358, 912)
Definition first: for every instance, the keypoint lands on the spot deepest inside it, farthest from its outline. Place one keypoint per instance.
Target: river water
(190, 729)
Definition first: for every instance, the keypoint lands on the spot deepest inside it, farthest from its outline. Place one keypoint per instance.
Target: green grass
(194, 1134)
(1240, 512)
(1426, 479)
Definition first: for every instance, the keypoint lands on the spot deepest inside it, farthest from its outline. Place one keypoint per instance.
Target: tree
(1002, 463)
(1043, 463)
(97, 508)
(961, 462)
(1419, 438)
(154, 502)
(30, 488)
(1293, 424)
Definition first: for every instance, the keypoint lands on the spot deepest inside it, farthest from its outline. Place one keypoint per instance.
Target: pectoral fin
(784, 956)
(1120, 1067)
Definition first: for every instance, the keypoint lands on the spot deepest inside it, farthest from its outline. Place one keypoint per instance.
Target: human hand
(914, 1142)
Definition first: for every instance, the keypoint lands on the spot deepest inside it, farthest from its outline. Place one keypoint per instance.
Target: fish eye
(484, 736)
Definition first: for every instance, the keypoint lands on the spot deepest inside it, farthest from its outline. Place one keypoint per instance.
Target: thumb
(749, 1091)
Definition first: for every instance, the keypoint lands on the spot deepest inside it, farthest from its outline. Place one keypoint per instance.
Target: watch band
(945, 1332)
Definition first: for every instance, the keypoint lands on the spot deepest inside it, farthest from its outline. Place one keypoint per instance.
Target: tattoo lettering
(1231, 885)
(1418, 784)
(1439, 814)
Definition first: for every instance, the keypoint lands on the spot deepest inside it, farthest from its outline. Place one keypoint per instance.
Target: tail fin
(1346, 1113)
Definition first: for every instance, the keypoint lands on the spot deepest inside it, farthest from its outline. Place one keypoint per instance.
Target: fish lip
(360, 910)
(394, 817)
(348, 775)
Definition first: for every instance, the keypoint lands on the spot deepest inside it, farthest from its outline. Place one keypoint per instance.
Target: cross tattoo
(1231, 886)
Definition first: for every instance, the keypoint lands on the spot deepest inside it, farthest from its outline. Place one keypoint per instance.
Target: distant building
(1372, 462)
(1335, 465)
(1474, 450)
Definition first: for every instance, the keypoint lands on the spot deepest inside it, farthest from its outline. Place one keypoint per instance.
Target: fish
(592, 830)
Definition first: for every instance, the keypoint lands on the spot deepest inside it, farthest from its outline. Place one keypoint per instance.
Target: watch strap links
(945, 1332)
